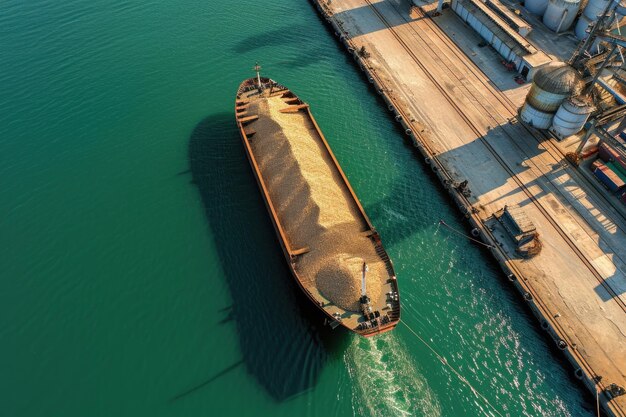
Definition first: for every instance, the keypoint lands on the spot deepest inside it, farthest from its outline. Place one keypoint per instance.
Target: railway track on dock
(475, 129)
(543, 139)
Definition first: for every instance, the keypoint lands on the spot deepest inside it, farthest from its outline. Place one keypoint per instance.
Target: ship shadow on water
(300, 52)
(283, 339)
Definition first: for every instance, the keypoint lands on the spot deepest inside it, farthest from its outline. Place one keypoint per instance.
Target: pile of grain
(339, 280)
(303, 186)
(313, 207)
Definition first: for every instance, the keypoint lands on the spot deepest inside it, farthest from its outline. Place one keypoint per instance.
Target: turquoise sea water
(140, 272)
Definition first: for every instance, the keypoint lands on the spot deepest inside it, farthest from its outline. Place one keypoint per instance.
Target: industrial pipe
(565, 12)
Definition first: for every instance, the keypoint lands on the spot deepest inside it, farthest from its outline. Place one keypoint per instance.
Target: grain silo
(560, 14)
(536, 118)
(592, 11)
(595, 8)
(580, 30)
(552, 84)
(537, 7)
(572, 116)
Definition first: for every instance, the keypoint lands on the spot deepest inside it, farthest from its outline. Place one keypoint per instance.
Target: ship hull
(289, 253)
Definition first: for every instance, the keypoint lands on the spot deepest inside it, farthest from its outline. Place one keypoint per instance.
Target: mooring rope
(441, 222)
(444, 361)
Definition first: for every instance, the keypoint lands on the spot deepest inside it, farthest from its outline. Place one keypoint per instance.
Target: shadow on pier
(616, 287)
(282, 337)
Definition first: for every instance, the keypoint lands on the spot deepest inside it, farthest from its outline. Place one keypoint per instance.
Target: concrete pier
(459, 105)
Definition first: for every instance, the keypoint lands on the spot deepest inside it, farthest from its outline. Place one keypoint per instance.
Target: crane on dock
(585, 60)
(600, 31)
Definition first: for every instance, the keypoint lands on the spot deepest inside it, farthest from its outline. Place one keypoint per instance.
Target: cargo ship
(333, 251)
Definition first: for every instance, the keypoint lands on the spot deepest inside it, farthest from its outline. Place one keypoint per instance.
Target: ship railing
(380, 251)
(268, 84)
(394, 314)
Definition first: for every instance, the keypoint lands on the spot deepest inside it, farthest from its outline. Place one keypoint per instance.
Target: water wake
(385, 381)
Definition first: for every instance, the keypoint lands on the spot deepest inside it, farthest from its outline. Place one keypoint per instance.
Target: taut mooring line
(457, 373)
(441, 222)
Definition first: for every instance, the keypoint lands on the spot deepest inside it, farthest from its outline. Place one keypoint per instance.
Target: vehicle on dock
(520, 229)
(333, 251)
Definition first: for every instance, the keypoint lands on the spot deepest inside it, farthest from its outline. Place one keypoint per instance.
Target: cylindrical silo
(560, 14)
(552, 84)
(592, 11)
(537, 7)
(595, 8)
(571, 116)
(581, 27)
(534, 117)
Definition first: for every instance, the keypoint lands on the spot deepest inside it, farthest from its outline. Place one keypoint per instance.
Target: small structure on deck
(521, 229)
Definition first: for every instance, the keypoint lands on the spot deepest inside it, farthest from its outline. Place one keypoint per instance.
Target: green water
(140, 273)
